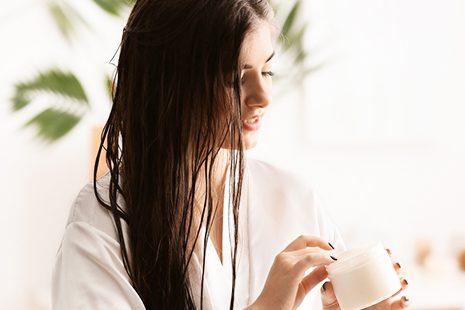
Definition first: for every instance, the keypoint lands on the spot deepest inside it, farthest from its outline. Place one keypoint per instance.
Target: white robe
(276, 207)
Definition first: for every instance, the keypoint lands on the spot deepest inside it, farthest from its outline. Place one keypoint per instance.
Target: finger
(306, 251)
(312, 260)
(398, 268)
(404, 285)
(303, 253)
(328, 297)
(400, 304)
(313, 278)
(307, 241)
(405, 301)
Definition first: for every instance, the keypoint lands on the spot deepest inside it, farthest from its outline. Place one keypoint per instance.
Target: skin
(286, 285)
(255, 58)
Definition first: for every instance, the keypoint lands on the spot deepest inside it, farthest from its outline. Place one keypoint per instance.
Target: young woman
(183, 220)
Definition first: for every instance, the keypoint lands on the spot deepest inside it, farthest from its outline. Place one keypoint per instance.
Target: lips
(252, 123)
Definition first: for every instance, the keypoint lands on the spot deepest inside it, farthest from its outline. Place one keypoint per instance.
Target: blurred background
(369, 107)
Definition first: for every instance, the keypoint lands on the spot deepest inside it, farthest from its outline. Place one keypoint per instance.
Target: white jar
(363, 277)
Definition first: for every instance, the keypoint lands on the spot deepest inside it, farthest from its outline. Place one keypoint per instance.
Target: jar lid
(355, 258)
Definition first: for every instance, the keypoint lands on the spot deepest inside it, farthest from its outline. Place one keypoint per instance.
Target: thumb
(328, 298)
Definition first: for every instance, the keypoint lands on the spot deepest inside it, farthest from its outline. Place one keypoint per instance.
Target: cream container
(363, 277)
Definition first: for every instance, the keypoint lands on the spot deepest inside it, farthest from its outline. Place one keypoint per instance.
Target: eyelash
(265, 73)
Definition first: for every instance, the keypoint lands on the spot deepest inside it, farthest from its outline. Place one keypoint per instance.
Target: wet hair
(176, 103)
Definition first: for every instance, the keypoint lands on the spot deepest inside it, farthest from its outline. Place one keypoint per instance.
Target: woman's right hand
(287, 285)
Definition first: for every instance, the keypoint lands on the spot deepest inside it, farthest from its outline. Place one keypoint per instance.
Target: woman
(183, 220)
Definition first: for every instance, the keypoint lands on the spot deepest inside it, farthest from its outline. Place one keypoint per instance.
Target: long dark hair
(176, 102)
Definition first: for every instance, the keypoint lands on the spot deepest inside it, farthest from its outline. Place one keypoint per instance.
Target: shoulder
(89, 272)
(86, 209)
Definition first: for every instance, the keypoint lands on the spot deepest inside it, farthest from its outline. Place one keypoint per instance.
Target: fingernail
(331, 245)
(334, 258)
(398, 265)
(404, 281)
(405, 299)
(323, 288)
(389, 251)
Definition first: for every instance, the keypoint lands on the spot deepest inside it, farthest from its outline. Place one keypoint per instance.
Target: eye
(268, 73)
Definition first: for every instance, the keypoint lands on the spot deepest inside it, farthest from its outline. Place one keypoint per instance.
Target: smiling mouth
(252, 124)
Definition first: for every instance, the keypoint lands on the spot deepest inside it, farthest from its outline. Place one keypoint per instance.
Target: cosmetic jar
(363, 277)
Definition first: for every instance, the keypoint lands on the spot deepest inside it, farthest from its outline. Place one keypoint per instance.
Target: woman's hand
(395, 302)
(287, 285)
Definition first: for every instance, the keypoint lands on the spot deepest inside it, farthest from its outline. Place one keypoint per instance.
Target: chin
(249, 141)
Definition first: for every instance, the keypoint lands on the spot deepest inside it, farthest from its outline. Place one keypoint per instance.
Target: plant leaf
(74, 15)
(300, 57)
(54, 80)
(65, 17)
(62, 19)
(314, 68)
(294, 40)
(109, 85)
(19, 100)
(276, 6)
(53, 123)
(113, 7)
(290, 19)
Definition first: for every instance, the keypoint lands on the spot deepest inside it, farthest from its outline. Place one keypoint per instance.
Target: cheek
(269, 86)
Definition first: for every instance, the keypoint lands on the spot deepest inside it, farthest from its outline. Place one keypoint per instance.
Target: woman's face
(256, 79)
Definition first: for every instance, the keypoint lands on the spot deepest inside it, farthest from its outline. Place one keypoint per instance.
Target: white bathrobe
(276, 207)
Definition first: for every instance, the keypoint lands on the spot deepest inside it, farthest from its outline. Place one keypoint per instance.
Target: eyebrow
(246, 66)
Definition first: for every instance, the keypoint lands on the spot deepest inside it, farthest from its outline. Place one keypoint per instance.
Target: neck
(220, 168)
(217, 179)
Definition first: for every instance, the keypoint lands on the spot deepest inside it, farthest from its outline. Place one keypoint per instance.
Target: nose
(257, 91)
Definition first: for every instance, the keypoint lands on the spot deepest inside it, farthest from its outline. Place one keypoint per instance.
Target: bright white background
(379, 132)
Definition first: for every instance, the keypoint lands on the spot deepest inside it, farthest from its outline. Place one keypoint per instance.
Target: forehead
(257, 45)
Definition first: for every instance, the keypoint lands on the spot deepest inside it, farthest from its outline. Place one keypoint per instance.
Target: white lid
(355, 258)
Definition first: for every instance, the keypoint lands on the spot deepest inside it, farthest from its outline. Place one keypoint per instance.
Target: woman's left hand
(395, 302)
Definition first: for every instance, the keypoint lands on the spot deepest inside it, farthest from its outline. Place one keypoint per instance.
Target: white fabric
(276, 207)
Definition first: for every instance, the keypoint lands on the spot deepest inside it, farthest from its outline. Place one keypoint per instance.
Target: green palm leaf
(294, 40)
(61, 18)
(54, 123)
(55, 81)
(290, 19)
(69, 102)
(113, 7)
(293, 56)
(109, 85)
(65, 17)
